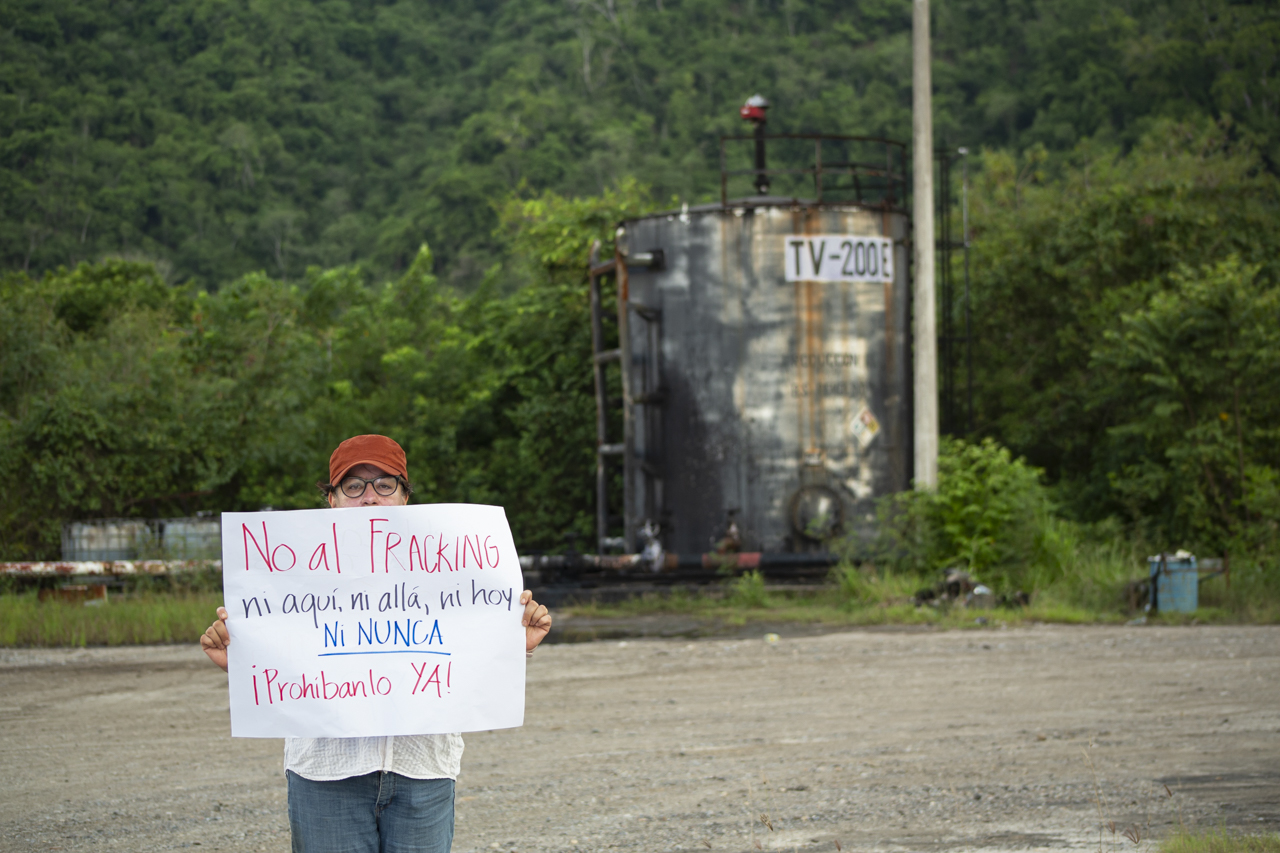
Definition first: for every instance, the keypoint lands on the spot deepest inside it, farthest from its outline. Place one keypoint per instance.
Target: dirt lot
(981, 740)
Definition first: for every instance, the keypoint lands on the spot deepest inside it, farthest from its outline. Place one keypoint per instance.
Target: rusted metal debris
(76, 594)
(666, 568)
(109, 568)
(960, 588)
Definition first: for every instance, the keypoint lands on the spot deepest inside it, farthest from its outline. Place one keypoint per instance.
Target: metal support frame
(956, 417)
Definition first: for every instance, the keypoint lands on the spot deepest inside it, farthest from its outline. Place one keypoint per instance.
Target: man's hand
(214, 641)
(536, 621)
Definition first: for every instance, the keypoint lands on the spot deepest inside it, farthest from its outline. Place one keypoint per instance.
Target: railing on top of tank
(882, 184)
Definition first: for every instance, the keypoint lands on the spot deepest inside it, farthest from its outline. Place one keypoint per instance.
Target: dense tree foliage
(221, 137)
(122, 396)
(1125, 321)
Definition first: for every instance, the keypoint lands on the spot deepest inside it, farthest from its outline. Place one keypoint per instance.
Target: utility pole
(926, 338)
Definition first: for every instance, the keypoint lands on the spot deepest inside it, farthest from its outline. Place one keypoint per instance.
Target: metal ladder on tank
(600, 357)
(649, 395)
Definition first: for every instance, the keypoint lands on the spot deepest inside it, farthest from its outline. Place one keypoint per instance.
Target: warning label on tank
(838, 257)
(865, 427)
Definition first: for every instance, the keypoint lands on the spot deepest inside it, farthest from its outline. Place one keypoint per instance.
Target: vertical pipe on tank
(944, 283)
(762, 180)
(597, 342)
(817, 171)
(724, 177)
(968, 331)
(813, 354)
(630, 521)
(753, 111)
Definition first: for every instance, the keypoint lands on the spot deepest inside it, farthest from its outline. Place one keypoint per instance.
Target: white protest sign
(838, 257)
(369, 621)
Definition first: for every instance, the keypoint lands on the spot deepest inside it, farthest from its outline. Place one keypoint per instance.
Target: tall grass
(1219, 841)
(1079, 576)
(862, 586)
(146, 617)
(1254, 593)
(1092, 569)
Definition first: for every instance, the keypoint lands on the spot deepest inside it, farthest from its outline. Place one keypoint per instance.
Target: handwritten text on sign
(373, 621)
(839, 257)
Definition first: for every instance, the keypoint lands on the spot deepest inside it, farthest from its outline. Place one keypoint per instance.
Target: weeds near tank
(1091, 592)
(851, 584)
(749, 590)
(865, 586)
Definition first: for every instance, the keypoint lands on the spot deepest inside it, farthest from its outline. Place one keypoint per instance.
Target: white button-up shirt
(323, 759)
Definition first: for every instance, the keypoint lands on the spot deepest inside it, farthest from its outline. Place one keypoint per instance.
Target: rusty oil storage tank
(766, 359)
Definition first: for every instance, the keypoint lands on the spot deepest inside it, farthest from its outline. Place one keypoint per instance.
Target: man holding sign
(369, 639)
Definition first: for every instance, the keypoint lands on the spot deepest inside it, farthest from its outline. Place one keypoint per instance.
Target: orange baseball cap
(367, 450)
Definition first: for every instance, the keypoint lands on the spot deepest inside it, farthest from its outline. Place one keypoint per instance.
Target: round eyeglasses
(354, 487)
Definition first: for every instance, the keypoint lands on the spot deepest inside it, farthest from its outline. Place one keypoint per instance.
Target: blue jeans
(375, 813)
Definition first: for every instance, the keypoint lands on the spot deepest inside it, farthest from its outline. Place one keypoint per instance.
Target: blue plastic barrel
(1175, 583)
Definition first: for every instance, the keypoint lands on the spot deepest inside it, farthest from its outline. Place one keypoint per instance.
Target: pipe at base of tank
(743, 561)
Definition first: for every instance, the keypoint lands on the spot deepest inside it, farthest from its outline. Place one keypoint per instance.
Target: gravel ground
(1015, 739)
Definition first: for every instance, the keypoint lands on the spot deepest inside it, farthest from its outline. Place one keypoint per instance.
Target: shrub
(991, 514)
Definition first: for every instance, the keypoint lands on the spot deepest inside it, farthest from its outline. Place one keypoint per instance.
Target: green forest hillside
(221, 137)
(216, 221)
